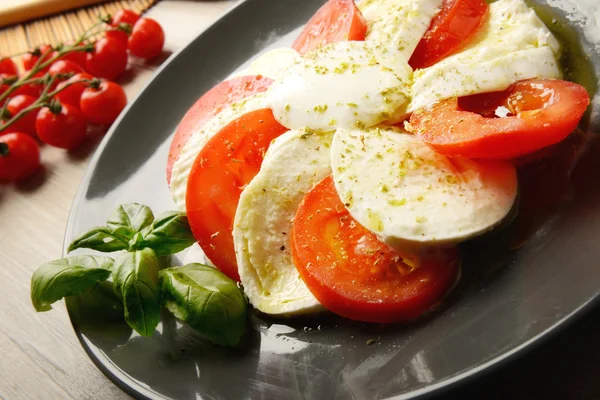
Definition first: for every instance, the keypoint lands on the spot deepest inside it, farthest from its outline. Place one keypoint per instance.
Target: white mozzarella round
(399, 23)
(195, 254)
(512, 45)
(402, 190)
(294, 163)
(272, 63)
(183, 165)
(344, 84)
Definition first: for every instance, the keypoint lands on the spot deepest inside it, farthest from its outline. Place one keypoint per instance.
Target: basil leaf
(135, 280)
(100, 239)
(207, 300)
(67, 277)
(98, 305)
(129, 219)
(170, 234)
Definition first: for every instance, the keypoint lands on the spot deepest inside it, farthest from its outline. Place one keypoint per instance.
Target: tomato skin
(8, 66)
(66, 129)
(210, 104)
(355, 275)
(31, 89)
(63, 67)
(103, 105)
(147, 39)
(27, 123)
(72, 94)
(544, 112)
(117, 34)
(125, 16)
(30, 59)
(223, 167)
(457, 21)
(78, 57)
(109, 59)
(335, 21)
(23, 158)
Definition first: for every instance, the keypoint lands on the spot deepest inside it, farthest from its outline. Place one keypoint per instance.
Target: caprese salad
(341, 173)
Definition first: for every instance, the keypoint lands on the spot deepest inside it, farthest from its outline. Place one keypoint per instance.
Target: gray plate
(506, 301)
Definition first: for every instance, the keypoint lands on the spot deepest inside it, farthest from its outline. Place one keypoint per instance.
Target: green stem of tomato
(4, 150)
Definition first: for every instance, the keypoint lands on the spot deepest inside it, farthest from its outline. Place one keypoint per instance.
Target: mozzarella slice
(343, 84)
(294, 163)
(401, 23)
(195, 254)
(402, 190)
(183, 165)
(271, 64)
(512, 45)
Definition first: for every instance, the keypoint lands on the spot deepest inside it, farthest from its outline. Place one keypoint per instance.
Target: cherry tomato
(64, 67)
(108, 60)
(541, 112)
(19, 156)
(5, 81)
(27, 123)
(78, 57)
(72, 94)
(8, 66)
(210, 104)
(336, 21)
(31, 89)
(30, 59)
(104, 104)
(124, 17)
(456, 22)
(147, 39)
(65, 129)
(223, 167)
(355, 275)
(117, 34)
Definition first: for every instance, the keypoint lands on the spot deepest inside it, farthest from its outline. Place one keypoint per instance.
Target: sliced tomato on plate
(355, 275)
(225, 165)
(530, 115)
(210, 104)
(335, 21)
(452, 26)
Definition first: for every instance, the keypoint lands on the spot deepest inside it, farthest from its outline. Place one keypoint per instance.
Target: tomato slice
(210, 104)
(225, 165)
(538, 113)
(336, 21)
(355, 275)
(456, 22)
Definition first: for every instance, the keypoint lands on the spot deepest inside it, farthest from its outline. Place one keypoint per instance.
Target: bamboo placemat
(61, 28)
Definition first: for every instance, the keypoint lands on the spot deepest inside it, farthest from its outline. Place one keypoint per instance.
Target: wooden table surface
(40, 356)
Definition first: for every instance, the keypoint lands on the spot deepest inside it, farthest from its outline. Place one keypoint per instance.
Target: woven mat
(61, 28)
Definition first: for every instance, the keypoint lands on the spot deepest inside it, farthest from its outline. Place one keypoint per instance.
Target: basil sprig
(132, 227)
(207, 300)
(67, 277)
(199, 295)
(135, 280)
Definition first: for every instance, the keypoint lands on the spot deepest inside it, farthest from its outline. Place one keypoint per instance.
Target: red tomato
(541, 113)
(147, 39)
(8, 66)
(30, 59)
(336, 21)
(355, 275)
(64, 67)
(456, 22)
(72, 94)
(65, 129)
(124, 17)
(5, 81)
(19, 156)
(104, 104)
(108, 60)
(27, 123)
(78, 57)
(117, 34)
(225, 165)
(31, 89)
(210, 104)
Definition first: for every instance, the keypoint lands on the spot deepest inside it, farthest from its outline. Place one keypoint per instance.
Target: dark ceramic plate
(511, 295)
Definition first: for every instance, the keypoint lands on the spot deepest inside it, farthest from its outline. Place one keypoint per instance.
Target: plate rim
(136, 389)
